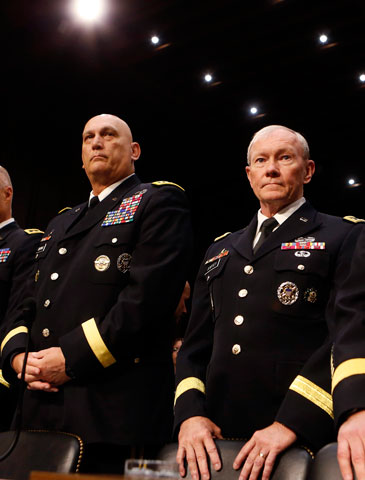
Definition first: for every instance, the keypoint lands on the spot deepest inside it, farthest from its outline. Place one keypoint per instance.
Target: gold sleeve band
(3, 381)
(313, 393)
(12, 334)
(354, 366)
(188, 384)
(97, 344)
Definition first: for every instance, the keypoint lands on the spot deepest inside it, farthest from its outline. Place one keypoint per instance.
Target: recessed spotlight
(89, 11)
(323, 38)
(254, 110)
(362, 78)
(208, 77)
(351, 181)
(155, 40)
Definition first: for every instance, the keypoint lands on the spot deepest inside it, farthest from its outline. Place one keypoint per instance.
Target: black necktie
(93, 202)
(266, 228)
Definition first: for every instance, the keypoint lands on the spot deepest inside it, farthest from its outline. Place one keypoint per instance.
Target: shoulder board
(163, 182)
(64, 210)
(222, 236)
(30, 231)
(352, 219)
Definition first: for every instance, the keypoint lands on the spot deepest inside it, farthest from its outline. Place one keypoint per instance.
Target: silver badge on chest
(102, 263)
(288, 293)
(124, 262)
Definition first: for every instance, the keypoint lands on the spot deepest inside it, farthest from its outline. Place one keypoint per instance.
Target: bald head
(6, 195)
(108, 151)
(267, 131)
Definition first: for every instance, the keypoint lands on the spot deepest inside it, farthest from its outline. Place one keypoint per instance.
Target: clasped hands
(45, 370)
(196, 440)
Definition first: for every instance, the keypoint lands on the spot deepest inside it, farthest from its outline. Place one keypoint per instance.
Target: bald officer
(258, 315)
(110, 273)
(17, 252)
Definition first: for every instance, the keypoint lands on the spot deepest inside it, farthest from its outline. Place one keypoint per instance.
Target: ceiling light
(254, 110)
(89, 11)
(323, 38)
(208, 77)
(351, 181)
(155, 40)
(362, 77)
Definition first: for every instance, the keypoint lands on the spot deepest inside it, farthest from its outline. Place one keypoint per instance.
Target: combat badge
(310, 295)
(288, 293)
(4, 254)
(102, 263)
(124, 262)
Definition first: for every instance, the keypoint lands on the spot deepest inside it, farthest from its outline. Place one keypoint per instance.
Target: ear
(248, 173)
(309, 171)
(136, 151)
(8, 193)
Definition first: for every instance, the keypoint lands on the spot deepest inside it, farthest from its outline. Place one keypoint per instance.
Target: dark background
(57, 73)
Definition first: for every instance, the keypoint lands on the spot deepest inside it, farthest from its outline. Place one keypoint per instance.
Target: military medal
(223, 253)
(4, 254)
(303, 246)
(124, 262)
(310, 295)
(102, 263)
(288, 293)
(125, 212)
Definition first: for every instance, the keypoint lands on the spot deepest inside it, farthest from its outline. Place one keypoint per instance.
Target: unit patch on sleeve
(4, 254)
(125, 212)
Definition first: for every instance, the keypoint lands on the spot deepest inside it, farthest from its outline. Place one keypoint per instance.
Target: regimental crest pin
(125, 212)
(288, 293)
(124, 262)
(310, 295)
(4, 254)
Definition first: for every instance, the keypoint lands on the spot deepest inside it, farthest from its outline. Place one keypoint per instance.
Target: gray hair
(5, 180)
(271, 128)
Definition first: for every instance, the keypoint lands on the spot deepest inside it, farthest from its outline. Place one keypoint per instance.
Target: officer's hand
(195, 438)
(261, 451)
(351, 446)
(46, 367)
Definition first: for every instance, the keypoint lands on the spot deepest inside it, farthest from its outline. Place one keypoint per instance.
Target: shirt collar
(108, 190)
(6, 222)
(282, 215)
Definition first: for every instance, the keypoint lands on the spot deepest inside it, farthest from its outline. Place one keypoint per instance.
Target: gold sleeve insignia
(159, 183)
(64, 210)
(350, 218)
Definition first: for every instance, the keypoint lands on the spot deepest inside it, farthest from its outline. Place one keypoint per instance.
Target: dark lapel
(299, 224)
(95, 215)
(4, 232)
(243, 241)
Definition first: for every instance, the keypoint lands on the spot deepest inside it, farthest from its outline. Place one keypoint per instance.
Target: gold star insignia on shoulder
(160, 183)
(30, 231)
(222, 236)
(350, 218)
(64, 210)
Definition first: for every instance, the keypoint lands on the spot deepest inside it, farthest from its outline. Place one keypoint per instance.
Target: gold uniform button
(54, 276)
(47, 303)
(238, 320)
(236, 349)
(62, 251)
(301, 267)
(45, 332)
(243, 293)
(248, 269)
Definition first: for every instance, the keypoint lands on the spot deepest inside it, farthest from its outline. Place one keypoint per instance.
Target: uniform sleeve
(14, 332)
(194, 355)
(308, 406)
(348, 382)
(136, 325)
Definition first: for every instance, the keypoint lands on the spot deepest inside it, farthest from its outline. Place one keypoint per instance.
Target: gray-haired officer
(258, 315)
(17, 254)
(110, 273)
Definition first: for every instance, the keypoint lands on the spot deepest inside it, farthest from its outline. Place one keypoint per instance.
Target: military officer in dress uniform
(258, 315)
(108, 279)
(348, 360)
(17, 251)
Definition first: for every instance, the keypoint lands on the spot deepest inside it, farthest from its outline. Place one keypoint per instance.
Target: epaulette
(163, 182)
(64, 210)
(350, 218)
(30, 231)
(222, 236)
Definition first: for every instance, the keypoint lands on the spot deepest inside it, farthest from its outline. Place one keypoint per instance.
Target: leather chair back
(39, 450)
(325, 465)
(294, 463)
